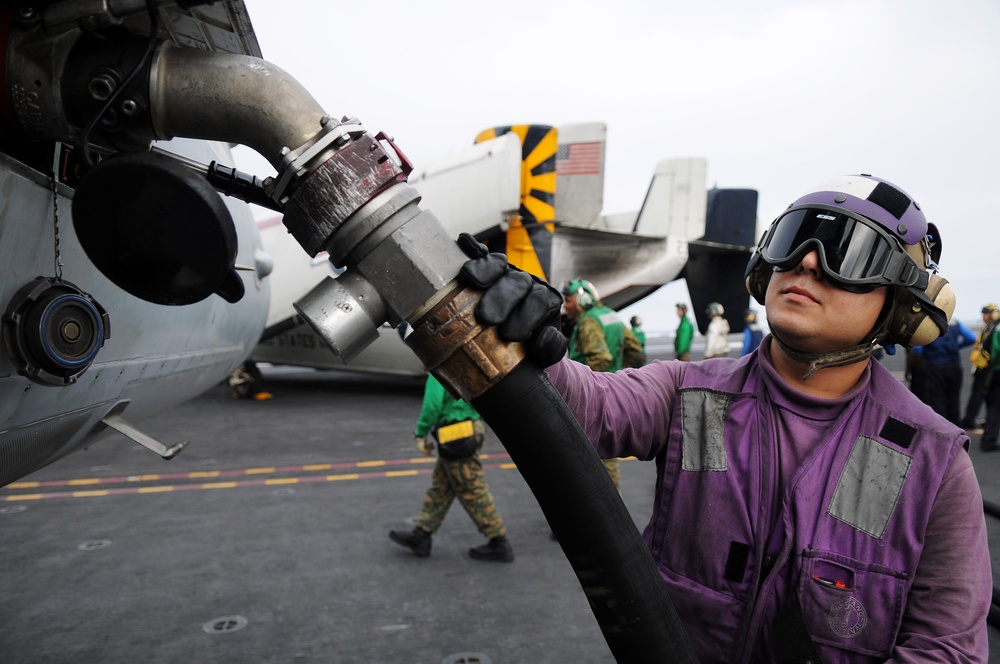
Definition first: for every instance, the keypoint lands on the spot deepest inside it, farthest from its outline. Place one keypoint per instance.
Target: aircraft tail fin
(528, 237)
(580, 170)
(717, 261)
(675, 201)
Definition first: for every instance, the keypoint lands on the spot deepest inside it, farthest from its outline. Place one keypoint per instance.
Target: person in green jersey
(600, 340)
(458, 474)
(636, 323)
(685, 333)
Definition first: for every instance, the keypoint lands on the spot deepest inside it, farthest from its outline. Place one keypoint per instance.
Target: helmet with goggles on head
(867, 233)
(585, 292)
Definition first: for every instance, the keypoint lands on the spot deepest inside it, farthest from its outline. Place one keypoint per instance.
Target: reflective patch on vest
(870, 486)
(610, 318)
(703, 416)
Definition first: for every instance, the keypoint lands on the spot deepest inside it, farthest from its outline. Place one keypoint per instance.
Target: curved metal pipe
(235, 98)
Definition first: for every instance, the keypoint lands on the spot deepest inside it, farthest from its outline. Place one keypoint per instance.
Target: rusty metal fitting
(466, 357)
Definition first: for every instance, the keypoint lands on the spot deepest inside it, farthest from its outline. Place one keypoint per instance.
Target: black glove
(522, 307)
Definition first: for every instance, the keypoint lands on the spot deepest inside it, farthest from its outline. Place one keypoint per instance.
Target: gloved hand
(523, 307)
(424, 446)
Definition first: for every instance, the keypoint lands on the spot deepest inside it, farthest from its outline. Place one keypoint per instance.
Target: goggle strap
(902, 271)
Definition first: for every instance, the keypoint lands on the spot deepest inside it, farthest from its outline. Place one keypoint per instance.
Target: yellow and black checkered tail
(529, 234)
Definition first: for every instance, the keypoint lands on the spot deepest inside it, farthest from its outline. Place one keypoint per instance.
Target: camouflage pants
(462, 479)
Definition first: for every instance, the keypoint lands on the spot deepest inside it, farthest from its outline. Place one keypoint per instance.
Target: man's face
(680, 312)
(813, 315)
(572, 310)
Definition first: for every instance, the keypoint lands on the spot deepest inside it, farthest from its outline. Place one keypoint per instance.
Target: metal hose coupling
(398, 259)
(466, 357)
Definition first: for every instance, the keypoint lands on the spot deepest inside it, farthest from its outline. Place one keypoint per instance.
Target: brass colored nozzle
(467, 358)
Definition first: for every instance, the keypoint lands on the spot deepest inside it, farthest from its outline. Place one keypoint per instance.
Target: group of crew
(935, 373)
(985, 358)
(717, 334)
(841, 507)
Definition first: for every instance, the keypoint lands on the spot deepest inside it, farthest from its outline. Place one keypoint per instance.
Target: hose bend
(587, 516)
(235, 98)
(562, 469)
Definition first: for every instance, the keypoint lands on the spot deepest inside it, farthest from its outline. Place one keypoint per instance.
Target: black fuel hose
(587, 516)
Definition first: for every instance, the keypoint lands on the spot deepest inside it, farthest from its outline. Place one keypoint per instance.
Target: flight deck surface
(265, 540)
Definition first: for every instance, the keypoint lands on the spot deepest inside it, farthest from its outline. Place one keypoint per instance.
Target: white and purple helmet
(867, 233)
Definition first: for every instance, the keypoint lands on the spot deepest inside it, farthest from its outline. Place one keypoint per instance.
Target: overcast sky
(777, 95)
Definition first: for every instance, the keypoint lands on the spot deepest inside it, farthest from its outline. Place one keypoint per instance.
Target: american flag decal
(579, 159)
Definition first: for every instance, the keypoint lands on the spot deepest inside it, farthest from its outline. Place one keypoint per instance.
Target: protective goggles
(855, 253)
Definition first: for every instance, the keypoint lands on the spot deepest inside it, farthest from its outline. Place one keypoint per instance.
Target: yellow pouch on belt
(980, 358)
(446, 434)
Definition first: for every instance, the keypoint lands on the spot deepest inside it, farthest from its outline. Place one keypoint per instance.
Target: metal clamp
(336, 136)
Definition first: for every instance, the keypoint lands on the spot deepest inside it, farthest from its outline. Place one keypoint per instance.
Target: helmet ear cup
(586, 294)
(910, 324)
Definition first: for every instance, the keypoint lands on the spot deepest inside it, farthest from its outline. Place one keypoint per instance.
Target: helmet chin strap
(835, 358)
(844, 356)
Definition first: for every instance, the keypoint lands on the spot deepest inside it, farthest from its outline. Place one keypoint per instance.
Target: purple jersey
(857, 507)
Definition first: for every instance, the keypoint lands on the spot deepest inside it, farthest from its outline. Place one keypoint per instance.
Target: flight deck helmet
(867, 233)
(584, 290)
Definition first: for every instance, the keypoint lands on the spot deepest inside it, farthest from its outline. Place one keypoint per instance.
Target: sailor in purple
(809, 507)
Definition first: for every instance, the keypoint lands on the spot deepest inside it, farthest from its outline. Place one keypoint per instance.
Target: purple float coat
(845, 496)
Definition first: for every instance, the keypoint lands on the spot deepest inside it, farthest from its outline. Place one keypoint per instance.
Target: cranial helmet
(586, 293)
(867, 233)
(714, 309)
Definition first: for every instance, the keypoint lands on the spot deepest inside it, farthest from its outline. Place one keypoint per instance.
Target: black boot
(497, 549)
(417, 540)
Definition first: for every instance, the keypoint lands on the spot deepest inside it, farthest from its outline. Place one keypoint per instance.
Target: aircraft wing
(475, 190)
(622, 266)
